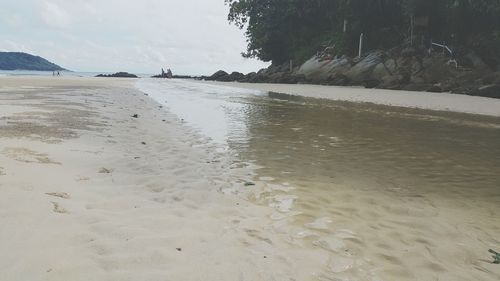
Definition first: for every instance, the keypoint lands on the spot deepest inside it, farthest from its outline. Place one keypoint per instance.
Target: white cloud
(53, 14)
(190, 36)
(9, 46)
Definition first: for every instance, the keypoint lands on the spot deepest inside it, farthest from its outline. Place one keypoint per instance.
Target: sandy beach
(101, 182)
(91, 193)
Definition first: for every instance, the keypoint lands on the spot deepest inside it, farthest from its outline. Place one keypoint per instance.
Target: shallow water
(391, 193)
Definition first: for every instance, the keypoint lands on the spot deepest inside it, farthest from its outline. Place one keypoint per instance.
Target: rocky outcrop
(220, 75)
(399, 69)
(119, 75)
(164, 74)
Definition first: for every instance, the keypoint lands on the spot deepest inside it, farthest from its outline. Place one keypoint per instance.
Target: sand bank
(422, 100)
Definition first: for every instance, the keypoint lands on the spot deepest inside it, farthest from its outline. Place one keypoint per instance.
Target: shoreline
(422, 100)
(117, 197)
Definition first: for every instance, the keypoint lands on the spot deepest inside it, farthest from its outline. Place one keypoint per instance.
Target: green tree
(279, 30)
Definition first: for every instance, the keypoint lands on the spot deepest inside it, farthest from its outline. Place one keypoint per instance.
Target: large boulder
(472, 60)
(362, 71)
(250, 77)
(321, 70)
(235, 76)
(220, 75)
(384, 69)
(436, 69)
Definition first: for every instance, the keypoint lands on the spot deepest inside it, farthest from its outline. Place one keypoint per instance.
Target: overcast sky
(189, 36)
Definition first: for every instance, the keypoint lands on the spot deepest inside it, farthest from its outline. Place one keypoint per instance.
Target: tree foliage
(279, 30)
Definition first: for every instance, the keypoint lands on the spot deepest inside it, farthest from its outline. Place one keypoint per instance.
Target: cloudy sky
(189, 36)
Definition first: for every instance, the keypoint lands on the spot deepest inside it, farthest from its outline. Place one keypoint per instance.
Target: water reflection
(307, 138)
(390, 193)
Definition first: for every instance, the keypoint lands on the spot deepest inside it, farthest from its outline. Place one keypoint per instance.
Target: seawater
(397, 193)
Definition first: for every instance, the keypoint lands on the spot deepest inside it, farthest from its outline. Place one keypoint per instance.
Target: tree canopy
(279, 30)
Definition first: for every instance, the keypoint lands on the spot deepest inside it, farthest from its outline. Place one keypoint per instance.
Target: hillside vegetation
(23, 61)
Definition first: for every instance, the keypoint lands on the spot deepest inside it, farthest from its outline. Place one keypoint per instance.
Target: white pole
(360, 45)
(411, 32)
(345, 26)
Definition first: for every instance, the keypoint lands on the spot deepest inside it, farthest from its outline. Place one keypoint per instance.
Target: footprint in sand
(27, 156)
(58, 209)
(82, 178)
(105, 171)
(2, 173)
(63, 195)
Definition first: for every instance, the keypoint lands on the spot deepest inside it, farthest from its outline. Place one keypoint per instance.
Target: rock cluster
(398, 69)
(118, 75)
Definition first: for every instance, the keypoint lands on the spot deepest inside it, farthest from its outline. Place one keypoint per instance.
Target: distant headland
(24, 61)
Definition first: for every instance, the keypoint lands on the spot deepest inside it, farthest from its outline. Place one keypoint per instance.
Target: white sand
(423, 100)
(119, 209)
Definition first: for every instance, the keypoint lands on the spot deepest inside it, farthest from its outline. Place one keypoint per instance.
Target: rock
(489, 91)
(338, 80)
(317, 70)
(472, 60)
(371, 83)
(275, 77)
(118, 75)
(496, 256)
(384, 69)
(436, 88)
(235, 76)
(362, 71)
(250, 77)
(391, 83)
(436, 69)
(164, 74)
(408, 52)
(220, 75)
(416, 87)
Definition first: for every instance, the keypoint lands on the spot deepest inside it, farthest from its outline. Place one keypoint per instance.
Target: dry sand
(422, 100)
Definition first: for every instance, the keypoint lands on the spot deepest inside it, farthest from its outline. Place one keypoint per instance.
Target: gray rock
(362, 71)
(220, 75)
(235, 76)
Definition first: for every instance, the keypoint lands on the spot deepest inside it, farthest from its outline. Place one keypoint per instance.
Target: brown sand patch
(28, 156)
